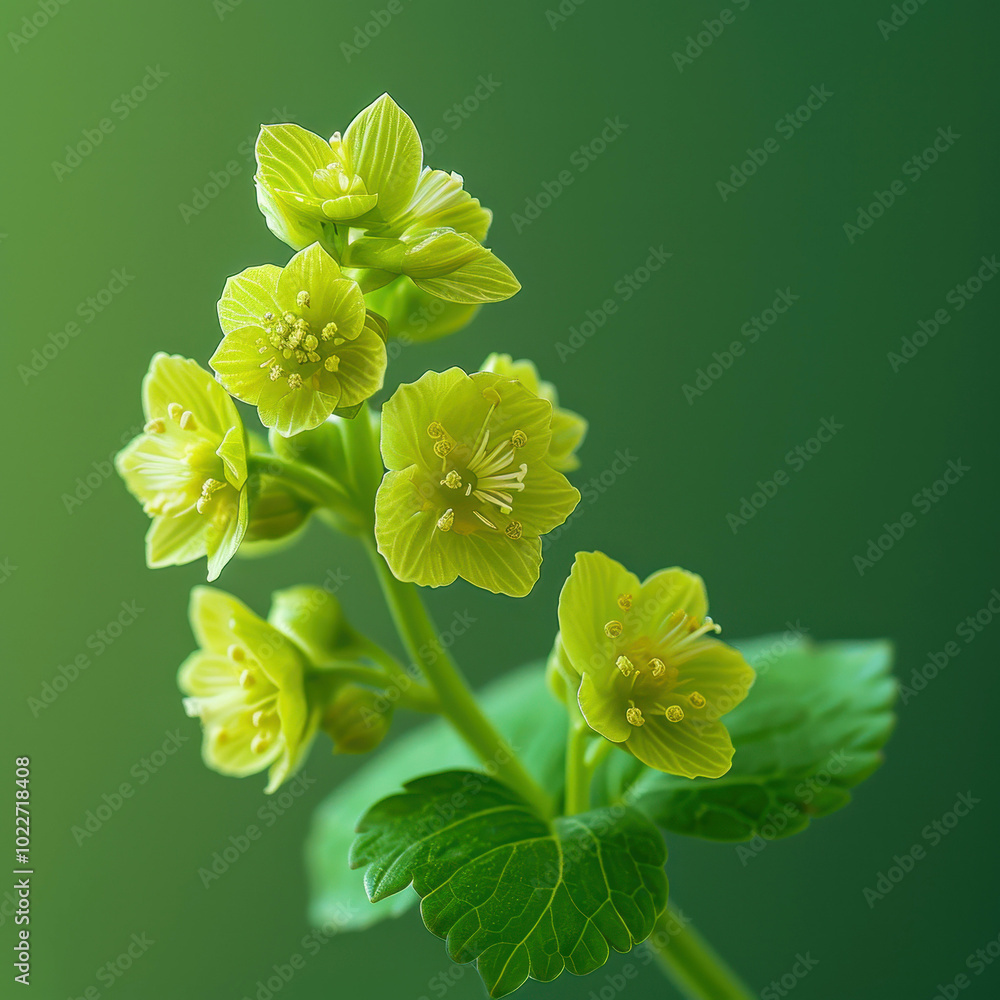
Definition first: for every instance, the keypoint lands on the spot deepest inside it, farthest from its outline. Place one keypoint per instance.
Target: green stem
(578, 774)
(458, 703)
(308, 480)
(691, 963)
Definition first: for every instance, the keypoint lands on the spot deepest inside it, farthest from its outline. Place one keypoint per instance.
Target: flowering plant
(530, 818)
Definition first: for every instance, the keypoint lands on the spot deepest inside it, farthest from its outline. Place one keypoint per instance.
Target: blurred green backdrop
(182, 89)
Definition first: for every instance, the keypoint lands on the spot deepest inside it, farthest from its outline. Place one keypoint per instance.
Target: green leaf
(528, 716)
(519, 896)
(385, 151)
(811, 728)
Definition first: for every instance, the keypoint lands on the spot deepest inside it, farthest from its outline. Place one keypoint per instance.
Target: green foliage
(812, 727)
(519, 896)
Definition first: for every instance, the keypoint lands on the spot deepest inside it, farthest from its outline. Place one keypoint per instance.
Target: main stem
(691, 963)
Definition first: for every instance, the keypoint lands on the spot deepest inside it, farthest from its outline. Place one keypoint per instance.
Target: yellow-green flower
(246, 684)
(568, 428)
(188, 468)
(470, 491)
(646, 671)
(298, 342)
(305, 183)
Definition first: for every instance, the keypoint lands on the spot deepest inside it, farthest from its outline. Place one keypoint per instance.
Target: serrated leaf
(507, 889)
(528, 717)
(812, 727)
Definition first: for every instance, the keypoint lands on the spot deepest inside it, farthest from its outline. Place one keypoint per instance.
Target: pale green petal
(294, 757)
(362, 368)
(546, 501)
(222, 545)
(568, 432)
(518, 410)
(385, 151)
(523, 370)
(690, 748)
(175, 540)
(288, 223)
(719, 673)
(247, 296)
(495, 562)
(603, 707)
(300, 410)
(406, 416)
(587, 603)
(406, 533)
(209, 675)
(237, 364)
(441, 201)
(485, 278)
(173, 379)
(233, 452)
(233, 756)
(332, 297)
(287, 157)
(438, 252)
(665, 592)
(213, 614)
(149, 465)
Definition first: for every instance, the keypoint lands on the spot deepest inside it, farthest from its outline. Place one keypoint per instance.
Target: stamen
(519, 439)
(485, 520)
(634, 716)
(247, 679)
(513, 530)
(276, 372)
(674, 713)
(625, 601)
(208, 487)
(697, 699)
(268, 316)
(174, 411)
(446, 520)
(657, 667)
(156, 426)
(332, 363)
(260, 742)
(435, 429)
(328, 331)
(295, 381)
(491, 396)
(453, 481)
(187, 421)
(302, 299)
(613, 629)
(236, 653)
(442, 447)
(624, 664)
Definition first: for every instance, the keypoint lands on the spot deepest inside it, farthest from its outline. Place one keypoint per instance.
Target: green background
(654, 186)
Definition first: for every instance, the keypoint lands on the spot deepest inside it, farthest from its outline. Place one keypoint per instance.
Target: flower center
(295, 350)
(337, 178)
(478, 486)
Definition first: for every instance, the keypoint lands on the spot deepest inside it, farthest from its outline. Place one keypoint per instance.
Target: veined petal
(665, 592)
(237, 364)
(546, 501)
(224, 541)
(287, 221)
(294, 755)
(603, 707)
(233, 452)
(287, 157)
(173, 379)
(213, 614)
(228, 750)
(519, 410)
(588, 601)
(720, 674)
(247, 296)
(691, 748)
(494, 562)
(173, 540)
(362, 368)
(301, 410)
(441, 201)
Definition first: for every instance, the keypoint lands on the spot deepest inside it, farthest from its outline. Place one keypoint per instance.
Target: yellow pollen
(187, 421)
(332, 363)
(435, 430)
(442, 447)
(208, 487)
(328, 331)
(302, 299)
(624, 664)
(268, 316)
(156, 426)
(657, 667)
(491, 396)
(259, 743)
(453, 481)
(295, 381)
(247, 679)
(290, 318)
(625, 601)
(276, 372)
(697, 699)
(613, 629)
(446, 520)
(513, 530)
(236, 653)
(634, 716)
(675, 713)
(519, 439)
(174, 411)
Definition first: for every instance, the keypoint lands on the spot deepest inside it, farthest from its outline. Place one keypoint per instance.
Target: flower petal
(287, 156)
(546, 500)
(225, 539)
(519, 410)
(690, 748)
(720, 674)
(175, 540)
(362, 367)
(603, 707)
(665, 592)
(491, 560)
(173, 379)
(213, 614)
(247, 296)
(237, 364)
(440, 201)
(587, 603)
(300, 410)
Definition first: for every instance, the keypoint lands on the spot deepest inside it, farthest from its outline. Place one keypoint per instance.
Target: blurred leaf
(519, 896)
